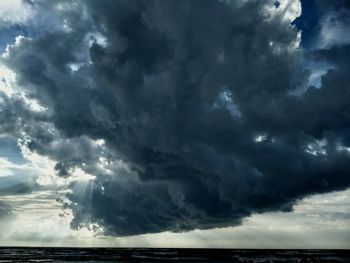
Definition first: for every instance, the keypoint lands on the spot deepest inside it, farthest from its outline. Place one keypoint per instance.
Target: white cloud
(225, 100)
(7, 168)
(335, 30)
(7, 79)
(260, 138)
(317, 148)
(291, 9)
(14, 11)
(288, 10)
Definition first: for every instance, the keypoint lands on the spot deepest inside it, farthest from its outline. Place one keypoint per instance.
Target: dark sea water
(21, 254)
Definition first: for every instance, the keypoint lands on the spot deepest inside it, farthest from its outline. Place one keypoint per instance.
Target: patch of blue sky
(10, 150)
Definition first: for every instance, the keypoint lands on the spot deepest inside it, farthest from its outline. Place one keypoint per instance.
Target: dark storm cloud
(194, 103)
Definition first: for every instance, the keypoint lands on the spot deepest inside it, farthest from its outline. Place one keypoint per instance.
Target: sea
(50, 254)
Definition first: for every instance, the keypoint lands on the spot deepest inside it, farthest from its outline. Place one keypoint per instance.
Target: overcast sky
(188, 123)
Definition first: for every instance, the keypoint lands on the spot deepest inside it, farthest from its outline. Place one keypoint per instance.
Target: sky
(160, 123)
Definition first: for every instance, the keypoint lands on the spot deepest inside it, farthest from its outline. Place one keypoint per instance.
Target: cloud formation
(5, 210)
(189, 114)
(14, 12)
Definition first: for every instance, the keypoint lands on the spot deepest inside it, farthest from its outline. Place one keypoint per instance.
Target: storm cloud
(189, 114)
